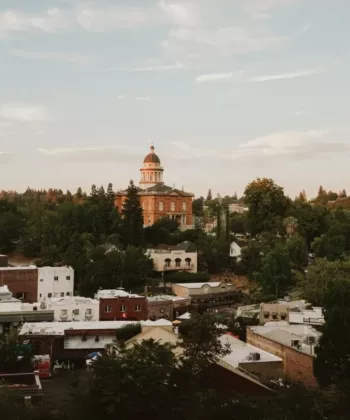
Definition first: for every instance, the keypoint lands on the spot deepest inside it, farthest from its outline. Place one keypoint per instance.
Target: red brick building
(157, 199)
(297, 360)
(118, 305)
(21, 281)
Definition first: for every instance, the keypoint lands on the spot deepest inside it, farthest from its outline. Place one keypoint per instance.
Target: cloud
(184, 147)
(155, 68)
(92, 154)
(101, 19)
(175, 66)
(262, 6)
(224, 42)
(215, 77)
(51, 20)
(183, 14)
(143, 98)
(299, 113)
(48, 55)
(121, 97)
(262, 16)
(24, 113)
(285, 76)
(292, 144)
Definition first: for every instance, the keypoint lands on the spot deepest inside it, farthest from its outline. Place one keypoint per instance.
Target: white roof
(185, 316)
(240, 352)
(199, 285)
(19, 267)
(165, 297)
(71, 300)
(58, 328)
(284, 334)
(108, 293)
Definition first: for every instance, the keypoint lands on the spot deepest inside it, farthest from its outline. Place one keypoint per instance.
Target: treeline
(279, 236)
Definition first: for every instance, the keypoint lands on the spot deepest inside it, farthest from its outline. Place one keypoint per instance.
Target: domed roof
(151, 157)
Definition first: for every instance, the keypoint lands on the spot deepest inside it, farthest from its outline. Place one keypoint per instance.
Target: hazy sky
(227, 90)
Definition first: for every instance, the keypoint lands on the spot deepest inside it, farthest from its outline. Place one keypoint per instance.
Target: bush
(187, 277)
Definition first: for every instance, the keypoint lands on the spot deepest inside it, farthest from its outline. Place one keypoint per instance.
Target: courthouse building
(157, 199)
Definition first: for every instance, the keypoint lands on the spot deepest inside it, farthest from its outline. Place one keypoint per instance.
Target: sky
(226, 90)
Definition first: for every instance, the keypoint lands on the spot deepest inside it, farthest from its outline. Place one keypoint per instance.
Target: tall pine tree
(132, 223)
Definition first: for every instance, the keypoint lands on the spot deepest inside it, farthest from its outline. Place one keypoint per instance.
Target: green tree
(298, 252)
(14, 356)
(209, 195)
(275, 275)
(332, 362)
(197, 206)
(132, 221)
(320, 278)
(267, 205)
(331, 245)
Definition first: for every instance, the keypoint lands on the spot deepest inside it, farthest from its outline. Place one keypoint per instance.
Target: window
(41, 279)
(188, 262)
(122, 308)
(184, 206)
(178, 262)
(49, 295)
(64, 312)
(56, 278)
(167, 262)
(68, 294)
(40, 295)
(75, 311)
(89, 312)
(137, 308)
(108, 308)
(56, 294)
(172, 206)
(62, 294)
(161, 206)
(67, 277)
(21, 295)
(266, 315)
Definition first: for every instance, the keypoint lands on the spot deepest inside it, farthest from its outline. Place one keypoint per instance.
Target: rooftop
(160, 298)
(110, 293)
(199, 285)
(58, 328)
(71, 300)
(241, 352)
(285, 334)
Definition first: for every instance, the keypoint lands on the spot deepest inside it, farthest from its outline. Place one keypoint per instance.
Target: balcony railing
(180, 267)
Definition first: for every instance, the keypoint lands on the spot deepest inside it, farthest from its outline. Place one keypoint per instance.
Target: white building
(235, 251)
(174, 260)
(54, 282)
(72, 308)
(7, 302)
(237, 208)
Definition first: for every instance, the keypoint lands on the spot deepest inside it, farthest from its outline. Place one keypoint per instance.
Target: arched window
(161, 206)
(167, 262)
(188, 262)
(178, 262)
(172, 206)
(184, 206)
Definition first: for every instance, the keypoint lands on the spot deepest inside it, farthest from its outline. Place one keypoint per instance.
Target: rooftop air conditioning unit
(254, 356)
